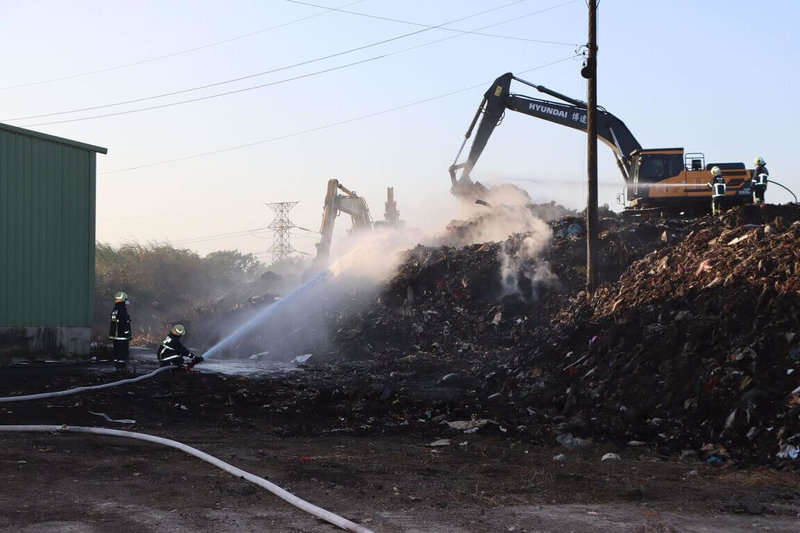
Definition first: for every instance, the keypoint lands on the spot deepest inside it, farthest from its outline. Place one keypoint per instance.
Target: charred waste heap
(689, 346)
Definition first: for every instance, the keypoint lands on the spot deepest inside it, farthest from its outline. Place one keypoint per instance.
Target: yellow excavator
(340, 199)
(666, 179)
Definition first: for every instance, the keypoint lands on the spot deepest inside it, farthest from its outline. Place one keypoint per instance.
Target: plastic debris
(118, 421)
(610, 457)
(453, 379)
(788, 451)
(468, 424)
(301, 360)
(570, 441)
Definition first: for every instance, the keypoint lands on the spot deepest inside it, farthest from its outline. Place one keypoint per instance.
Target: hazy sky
(378, 96)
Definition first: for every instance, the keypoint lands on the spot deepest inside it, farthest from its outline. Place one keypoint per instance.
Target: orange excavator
(667, 179)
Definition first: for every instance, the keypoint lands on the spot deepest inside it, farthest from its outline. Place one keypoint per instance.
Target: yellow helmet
(759, 161)
(120, 297)
(715, 171)
(178, 330)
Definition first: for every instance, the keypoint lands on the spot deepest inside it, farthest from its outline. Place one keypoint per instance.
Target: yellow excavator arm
(348, 202)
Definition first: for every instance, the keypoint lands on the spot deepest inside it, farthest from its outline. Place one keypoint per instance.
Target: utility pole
(590, 72)
(280, 226)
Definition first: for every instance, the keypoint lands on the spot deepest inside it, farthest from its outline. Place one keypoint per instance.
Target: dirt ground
(345, 449)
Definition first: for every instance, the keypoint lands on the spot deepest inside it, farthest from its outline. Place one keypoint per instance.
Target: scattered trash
(301, 360)
(560, 458)
(440, 442)
(453, 379)
(118, 421)
(788, 451)
(739, 239)
(568, 440)
(574, 230)
(468, 424)
(610, 457)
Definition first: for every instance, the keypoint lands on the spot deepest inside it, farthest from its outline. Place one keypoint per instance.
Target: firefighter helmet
(178, 330)
(715, 171)
(120, 297)
(759, 161)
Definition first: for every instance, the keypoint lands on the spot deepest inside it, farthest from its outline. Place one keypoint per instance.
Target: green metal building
(47, 244)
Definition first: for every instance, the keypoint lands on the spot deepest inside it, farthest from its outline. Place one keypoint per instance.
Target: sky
(211, 110)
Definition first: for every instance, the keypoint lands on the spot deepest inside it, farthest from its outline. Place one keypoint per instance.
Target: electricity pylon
(281, 247)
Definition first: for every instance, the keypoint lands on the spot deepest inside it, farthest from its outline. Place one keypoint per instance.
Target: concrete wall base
(48, 342)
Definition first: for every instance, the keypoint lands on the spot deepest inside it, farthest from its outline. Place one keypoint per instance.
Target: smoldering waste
(689, 346)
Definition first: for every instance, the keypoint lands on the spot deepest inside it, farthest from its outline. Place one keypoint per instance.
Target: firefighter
(173, 352)
(717, 186)
(120, 329)
(760, 178)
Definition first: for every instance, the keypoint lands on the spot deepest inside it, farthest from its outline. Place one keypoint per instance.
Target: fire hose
(288, 497)
(784, 187)
(82, 389)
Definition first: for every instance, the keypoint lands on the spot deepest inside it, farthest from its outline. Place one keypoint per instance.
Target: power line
(326, 126)
(242, 233)
(233, 80)
(182, 52)
(278, 82)
(472, 32)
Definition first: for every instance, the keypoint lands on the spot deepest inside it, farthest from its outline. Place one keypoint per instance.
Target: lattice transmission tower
(281, 247)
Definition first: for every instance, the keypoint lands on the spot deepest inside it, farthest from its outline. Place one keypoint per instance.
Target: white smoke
(509, 219)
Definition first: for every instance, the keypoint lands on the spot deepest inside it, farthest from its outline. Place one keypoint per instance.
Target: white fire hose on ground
(83, 389)
(319, 512)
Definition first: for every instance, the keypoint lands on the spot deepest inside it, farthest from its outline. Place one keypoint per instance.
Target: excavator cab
(673, 180)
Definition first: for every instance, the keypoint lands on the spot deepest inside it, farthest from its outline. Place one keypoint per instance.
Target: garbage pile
(689, 346)
(449, 299)
(696, 346)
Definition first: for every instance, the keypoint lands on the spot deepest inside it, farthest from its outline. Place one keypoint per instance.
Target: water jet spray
(262, 316)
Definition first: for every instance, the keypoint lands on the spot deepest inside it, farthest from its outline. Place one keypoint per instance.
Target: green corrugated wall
(47, 231)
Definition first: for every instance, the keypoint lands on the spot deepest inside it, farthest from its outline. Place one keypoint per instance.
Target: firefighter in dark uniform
(717, 185)
(760, 178)
(119, 330)
(173, 352)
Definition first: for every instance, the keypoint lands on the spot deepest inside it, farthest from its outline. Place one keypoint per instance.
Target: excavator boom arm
(611, 130)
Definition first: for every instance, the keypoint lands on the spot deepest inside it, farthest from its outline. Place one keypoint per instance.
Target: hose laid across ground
(82, 389)
(288, 497)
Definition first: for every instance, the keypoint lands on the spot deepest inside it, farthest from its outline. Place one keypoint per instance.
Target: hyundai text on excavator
(666, 179)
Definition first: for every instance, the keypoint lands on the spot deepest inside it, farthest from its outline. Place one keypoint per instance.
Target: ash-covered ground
(684, 363)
